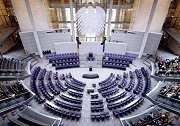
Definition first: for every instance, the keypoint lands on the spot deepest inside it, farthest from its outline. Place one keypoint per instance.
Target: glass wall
(60, 17)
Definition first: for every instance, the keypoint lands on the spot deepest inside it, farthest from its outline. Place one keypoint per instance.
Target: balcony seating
(11, 65)
(169, 94)
(13, 94)
(11, 69)
(168, 67)
(100, 116)
(154, 119)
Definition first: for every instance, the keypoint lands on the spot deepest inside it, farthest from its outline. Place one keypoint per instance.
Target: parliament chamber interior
(89, 62)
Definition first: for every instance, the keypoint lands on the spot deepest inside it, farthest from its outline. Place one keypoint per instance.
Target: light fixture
(90, 21)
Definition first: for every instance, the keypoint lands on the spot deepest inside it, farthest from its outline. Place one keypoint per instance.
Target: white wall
(134, 41)
(143, 15)
(94, 47)
(37, 8)
(47, 40)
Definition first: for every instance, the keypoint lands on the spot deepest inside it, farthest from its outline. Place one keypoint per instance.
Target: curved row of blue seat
(118, 77)
(107, 80)
(52, 88)
(132, 81)
(41, 74)
(116, 97)
(48, 75)
(139, 86)
(109, 86)
(33, 87)
(147, 87)
(44, 91)
(41, 85)
(110, 92)
(75, 93)
(63, 113)
(128, 109)
(118, 104)
(38, 98)
(77, 82)
(55, 75)
(70, 106)
(50, 85)
(60, 86)
(124, 80)
(73, 86)
(100, 116)
(96, 102)
(70, 99)
(97, 108)
(139, 73)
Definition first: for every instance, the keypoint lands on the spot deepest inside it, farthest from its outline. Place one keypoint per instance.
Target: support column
(72, 20)
(109, 20)
(145, 37)
(29, 11)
